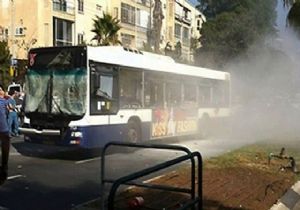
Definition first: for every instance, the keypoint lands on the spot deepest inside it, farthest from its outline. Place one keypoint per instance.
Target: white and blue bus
(88, 96)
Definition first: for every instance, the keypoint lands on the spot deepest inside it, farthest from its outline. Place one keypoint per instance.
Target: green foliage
(4, 53)
(232, 27)
(4, 63)
(294, 15)
(106, 30)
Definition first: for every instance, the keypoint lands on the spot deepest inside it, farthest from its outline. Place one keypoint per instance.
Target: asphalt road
(48, 177)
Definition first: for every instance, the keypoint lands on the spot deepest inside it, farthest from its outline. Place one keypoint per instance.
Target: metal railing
(130, 179)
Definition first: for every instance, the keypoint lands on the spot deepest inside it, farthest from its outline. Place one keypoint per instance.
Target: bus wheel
(134, 132)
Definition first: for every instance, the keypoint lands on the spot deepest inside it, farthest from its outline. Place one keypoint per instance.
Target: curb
(290, 200)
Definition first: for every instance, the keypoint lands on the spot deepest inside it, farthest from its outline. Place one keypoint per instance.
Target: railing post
(126, 179)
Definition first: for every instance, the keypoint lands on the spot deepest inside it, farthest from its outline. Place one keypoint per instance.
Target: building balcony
(183, 20)
(144, 2)
(63, 7)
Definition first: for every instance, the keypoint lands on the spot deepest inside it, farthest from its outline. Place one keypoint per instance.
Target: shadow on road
(72, 153)
(55, 152)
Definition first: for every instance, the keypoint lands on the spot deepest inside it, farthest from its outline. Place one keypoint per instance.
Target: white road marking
(15, 177)
(14, 154)
(87, 160)
(153, 179)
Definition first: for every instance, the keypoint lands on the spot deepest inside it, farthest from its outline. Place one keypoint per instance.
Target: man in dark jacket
(4, 136)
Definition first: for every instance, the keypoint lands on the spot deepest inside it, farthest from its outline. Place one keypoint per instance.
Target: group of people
(9, 126)
(13, 118)
(4, 135)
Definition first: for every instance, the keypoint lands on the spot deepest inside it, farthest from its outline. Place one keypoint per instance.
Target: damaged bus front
(55, 94)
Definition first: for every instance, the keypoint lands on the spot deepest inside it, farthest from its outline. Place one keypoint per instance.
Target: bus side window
(204, 95)
(221, 93)
(103, 89)
(189, 93)
(173, 94)
(130, 88)
(156, 94)
(153, 90)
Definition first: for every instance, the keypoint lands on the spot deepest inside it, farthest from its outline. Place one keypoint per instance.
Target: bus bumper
(43, 132)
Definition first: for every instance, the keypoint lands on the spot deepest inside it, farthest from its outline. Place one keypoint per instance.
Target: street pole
(135, 20)
(12, 34)
(150, 25)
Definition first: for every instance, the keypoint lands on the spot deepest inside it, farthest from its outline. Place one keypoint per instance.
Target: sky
(194, 2)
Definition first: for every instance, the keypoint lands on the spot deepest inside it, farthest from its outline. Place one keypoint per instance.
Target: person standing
(4, 136)
(20, 109)
(13, 121)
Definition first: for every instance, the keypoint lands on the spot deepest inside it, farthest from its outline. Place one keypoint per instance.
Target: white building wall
(84, 20)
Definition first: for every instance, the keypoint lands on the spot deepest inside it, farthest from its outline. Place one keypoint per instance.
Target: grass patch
(257, 156)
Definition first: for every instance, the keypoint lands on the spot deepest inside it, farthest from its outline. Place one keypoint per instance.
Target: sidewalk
(290, 200)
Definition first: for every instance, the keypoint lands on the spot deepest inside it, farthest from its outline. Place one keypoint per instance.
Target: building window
(116, 12)
(142, 18)
(80, 6)
(62, 32)
(138, 17)
(186, 35)
(80, 38)
(19, 31)
(127, 14)
(98, 7)
(60, 5)
(126, 39)
(177, 30)
(46, 34)
(6, 32)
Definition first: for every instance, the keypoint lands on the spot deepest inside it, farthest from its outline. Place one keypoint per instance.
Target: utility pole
(12, 39)
(150, 25)
(135, 23)
(12, 34)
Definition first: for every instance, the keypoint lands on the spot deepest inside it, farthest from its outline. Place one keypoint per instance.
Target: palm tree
(4, 62)
(106, 30)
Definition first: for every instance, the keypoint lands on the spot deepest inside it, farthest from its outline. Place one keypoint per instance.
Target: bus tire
(133, 131)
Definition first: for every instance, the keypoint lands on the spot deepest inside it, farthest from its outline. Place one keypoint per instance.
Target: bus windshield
(56, 83)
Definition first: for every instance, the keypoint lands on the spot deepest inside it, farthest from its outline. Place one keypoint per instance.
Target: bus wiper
(103, 94)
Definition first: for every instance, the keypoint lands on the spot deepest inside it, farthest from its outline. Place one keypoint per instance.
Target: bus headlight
(73, 128)
(76, 134)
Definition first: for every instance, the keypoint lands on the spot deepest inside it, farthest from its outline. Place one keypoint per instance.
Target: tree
(232, 27)
(294, 16)
(4, 62)
(106, 30)
(157, 24)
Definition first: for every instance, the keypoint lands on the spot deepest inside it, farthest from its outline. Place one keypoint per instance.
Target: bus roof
(150, 61)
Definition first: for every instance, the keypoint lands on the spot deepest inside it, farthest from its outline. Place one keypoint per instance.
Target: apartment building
(184, 24)
(69, 22)
(43, 23)
(181, 22)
